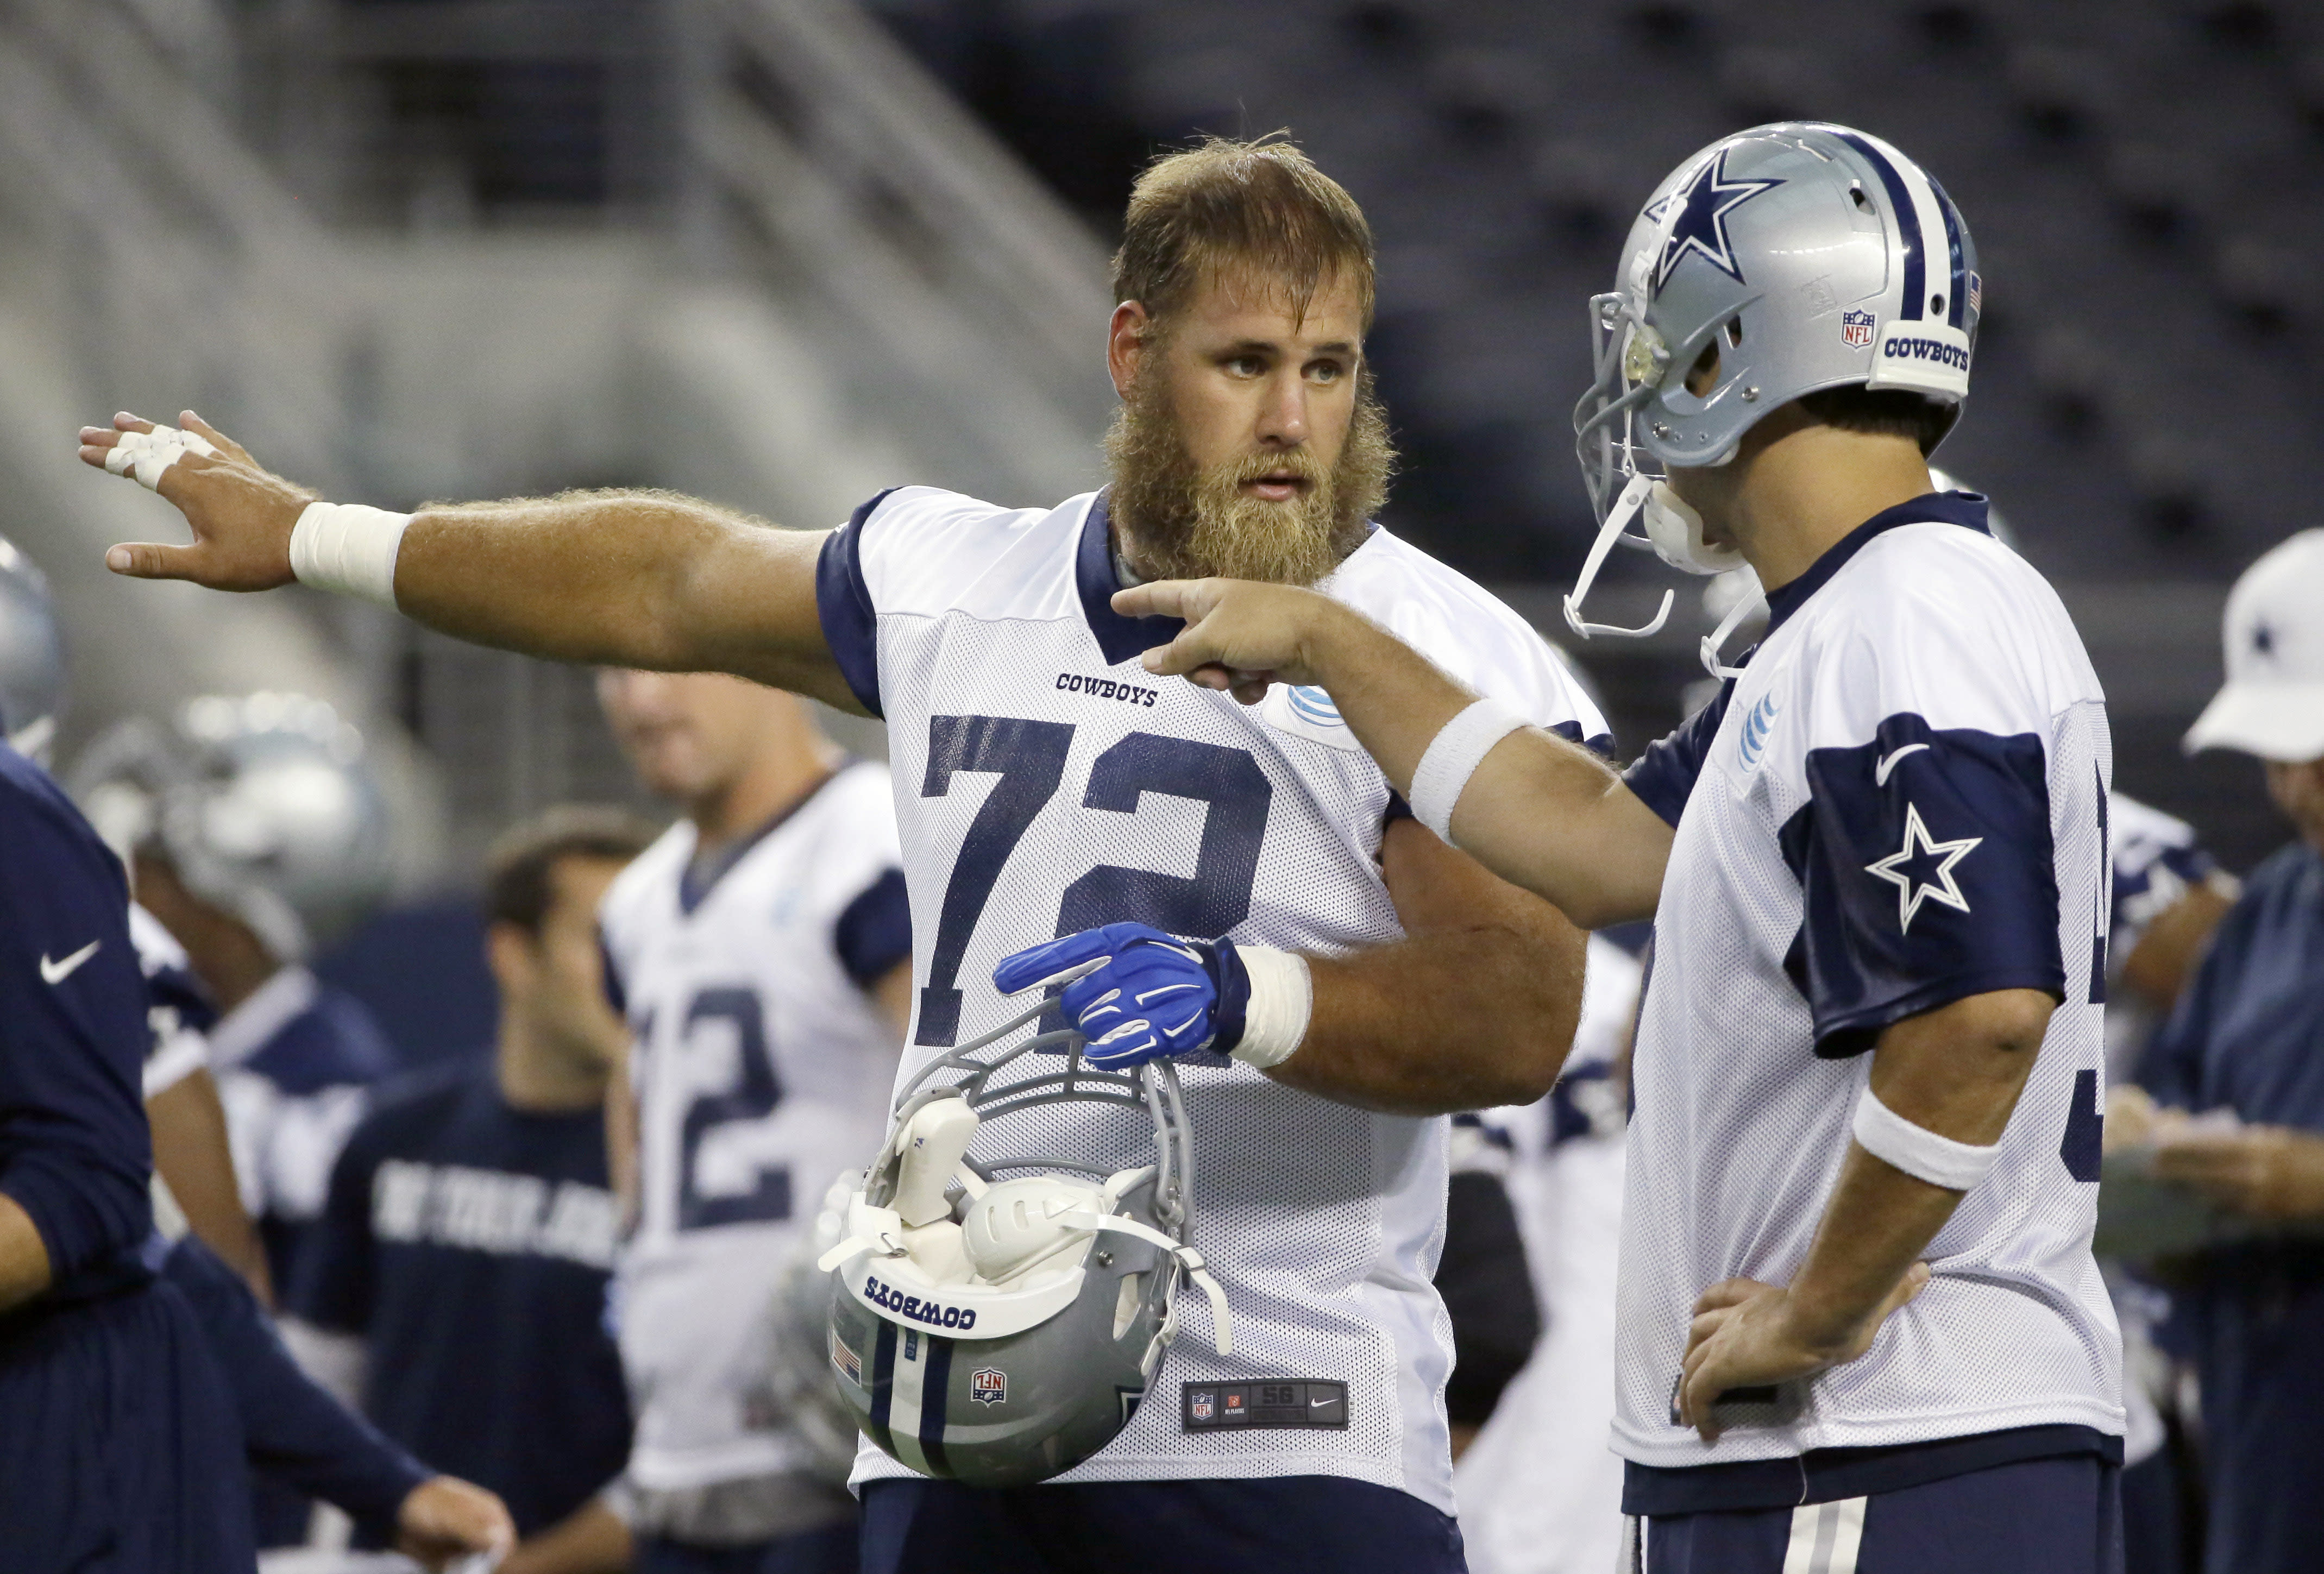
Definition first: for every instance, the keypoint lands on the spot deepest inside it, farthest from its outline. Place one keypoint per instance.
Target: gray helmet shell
(31, 655)
(1817, 256)
(1000, 1351)
(264, 803)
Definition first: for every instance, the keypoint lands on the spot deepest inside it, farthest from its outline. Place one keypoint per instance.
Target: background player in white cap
(2245, 1049)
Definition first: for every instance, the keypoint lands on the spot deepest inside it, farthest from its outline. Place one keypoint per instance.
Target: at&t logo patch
(987, 1386)
(1753, 741)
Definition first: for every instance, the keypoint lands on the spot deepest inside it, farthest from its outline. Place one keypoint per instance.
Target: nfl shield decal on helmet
(1855, 329)
(987, 1386)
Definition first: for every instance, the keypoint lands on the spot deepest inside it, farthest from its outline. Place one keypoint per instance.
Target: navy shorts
(2038, 1516)
(1156, 1527)
(120, 1450)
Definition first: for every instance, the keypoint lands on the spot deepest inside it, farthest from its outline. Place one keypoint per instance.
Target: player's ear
(1128, 335)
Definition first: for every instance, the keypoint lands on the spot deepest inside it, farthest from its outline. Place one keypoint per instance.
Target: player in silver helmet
(253, 828)
(1860, 1318)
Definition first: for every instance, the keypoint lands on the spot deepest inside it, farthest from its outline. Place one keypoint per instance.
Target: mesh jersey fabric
(1045, 784)
(761, 1071)
(1899, 803)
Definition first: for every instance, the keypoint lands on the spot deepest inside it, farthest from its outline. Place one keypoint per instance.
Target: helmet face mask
(997, 1319)
(1812, 257)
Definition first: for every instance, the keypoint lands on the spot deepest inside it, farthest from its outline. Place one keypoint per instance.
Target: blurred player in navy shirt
(464, 1253)
(115, 1449)
(2246, 1043)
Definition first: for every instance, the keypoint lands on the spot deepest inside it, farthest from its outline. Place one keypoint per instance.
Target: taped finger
(148, 455)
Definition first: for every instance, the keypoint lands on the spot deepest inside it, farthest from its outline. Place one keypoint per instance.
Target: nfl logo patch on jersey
(1855, 327)
(987, 1386)
(1202, 1407)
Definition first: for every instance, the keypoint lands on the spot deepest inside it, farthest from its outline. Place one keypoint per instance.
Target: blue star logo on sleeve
(1907, 869)
(1701, 226)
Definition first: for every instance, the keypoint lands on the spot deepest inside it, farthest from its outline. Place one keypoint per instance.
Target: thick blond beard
(1188, 522)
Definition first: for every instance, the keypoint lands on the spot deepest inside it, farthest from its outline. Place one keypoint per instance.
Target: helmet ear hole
(1856, 195)
(1703, 375)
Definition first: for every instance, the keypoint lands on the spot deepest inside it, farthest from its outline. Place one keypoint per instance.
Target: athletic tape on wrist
(148, 455)
(1452, 759)
(1919, 1152)
(1282, 998)
(349, 548)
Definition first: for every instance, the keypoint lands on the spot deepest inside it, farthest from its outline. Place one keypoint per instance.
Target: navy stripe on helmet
(1956, 300)
(1908, 225)
(935, 1390)
(883, 1387)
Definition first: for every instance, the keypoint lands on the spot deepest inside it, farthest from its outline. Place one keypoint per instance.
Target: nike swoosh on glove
(1136, 994)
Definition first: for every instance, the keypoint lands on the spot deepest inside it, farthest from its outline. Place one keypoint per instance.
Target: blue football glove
(1136, 994)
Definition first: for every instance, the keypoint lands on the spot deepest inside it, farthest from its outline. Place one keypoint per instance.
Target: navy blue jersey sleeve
(1663, 775)
(874, 931)
(294, 1431)
(843, 601)
(1928, 875)
(334, 1282)
(74, 1149)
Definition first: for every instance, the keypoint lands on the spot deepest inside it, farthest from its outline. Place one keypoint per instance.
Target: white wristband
(349, 548)
(1452, 759)
(1919, 1152)
(1282, 998)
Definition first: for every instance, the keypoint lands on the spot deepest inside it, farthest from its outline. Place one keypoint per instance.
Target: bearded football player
(1341, 978)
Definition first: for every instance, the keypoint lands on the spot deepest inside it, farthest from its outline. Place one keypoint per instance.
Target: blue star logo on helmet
(1701, 226)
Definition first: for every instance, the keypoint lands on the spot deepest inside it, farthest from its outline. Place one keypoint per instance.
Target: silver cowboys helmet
(996, 1318)
(263, 804)
(32, 656)
(1782, 261)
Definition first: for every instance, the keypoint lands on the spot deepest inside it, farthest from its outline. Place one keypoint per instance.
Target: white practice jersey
(761, 1069)
(1045, 784)
(1901, 802)
(1540, 1492)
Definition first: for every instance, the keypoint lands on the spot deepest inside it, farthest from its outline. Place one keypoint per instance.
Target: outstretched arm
(627, 578)
(1540, 812)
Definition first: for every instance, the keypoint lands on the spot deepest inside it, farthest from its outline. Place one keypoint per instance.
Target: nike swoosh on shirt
(1880, 771)
(57, 973)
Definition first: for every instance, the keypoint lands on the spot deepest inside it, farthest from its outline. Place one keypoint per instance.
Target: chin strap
(1737, 615)
(1188, 1258)
(1618, 518)
(886, 1237)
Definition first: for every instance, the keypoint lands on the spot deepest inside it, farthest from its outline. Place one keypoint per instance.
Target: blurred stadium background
(786, 253)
